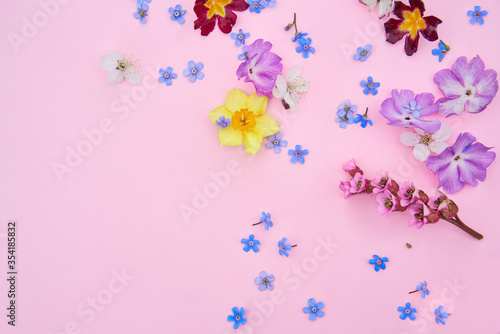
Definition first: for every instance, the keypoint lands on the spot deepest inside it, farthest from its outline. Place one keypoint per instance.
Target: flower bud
(432, 218)
(447, 213)
(423, 197)
(394, 186)
(453, 207)
(350, 166)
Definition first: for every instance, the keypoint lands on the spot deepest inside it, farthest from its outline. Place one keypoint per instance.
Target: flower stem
(446, 47)
(413, 291)
(257, 223)
(366, 112)
(460, 224)
(295, 22)
(294, 245)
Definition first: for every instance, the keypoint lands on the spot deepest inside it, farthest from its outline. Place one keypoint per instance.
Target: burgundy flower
(221, 11)
(464, 162)
(411, 23)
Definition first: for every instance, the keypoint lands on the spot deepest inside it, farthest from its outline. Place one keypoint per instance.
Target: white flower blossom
(385, 7)
(119, 68)
(424, 142)
(289, 91)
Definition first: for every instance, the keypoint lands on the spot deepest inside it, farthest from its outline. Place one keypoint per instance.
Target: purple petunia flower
(261, 68)
(399, 110)
(467, 86)
(464, 162)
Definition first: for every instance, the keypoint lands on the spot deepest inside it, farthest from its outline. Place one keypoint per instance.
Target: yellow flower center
(216, 7)
(243, 120)
(413, 22)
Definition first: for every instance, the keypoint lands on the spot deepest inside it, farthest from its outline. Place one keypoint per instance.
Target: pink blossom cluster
(394, 198)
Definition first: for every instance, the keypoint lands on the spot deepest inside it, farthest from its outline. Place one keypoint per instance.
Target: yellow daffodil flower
(249, 122)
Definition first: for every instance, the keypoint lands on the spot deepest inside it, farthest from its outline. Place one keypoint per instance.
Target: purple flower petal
(393, 110)
(261, 68)
(439, 162)
(448, 83)
(426, 100)
(463, 140)
(487, 84)
(449, 179)
(464, 162)
(468, 74)
(468, 86)
(401, 98)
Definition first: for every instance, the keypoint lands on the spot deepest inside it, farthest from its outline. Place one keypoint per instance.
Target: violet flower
(408, 193)
(262, 67)
(386, 202)
(464, 162)
(467, 86)
(401, 109)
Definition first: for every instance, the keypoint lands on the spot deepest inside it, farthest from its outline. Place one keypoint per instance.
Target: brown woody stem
(460, 224)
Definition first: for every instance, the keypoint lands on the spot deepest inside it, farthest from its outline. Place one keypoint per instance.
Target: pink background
(119, 208)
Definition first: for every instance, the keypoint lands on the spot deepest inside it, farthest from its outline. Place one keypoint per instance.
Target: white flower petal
(294, 96)
(385, 7)
(437, 146)
(409, 138)
(421, 152)
(293, 73)
(420, 132)
(133, 75)
(279, 89)
(302, 85)
(109, 63)
(115, 76)
(293, 104)
(370, 3)
(115, 55)
(443, 133)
